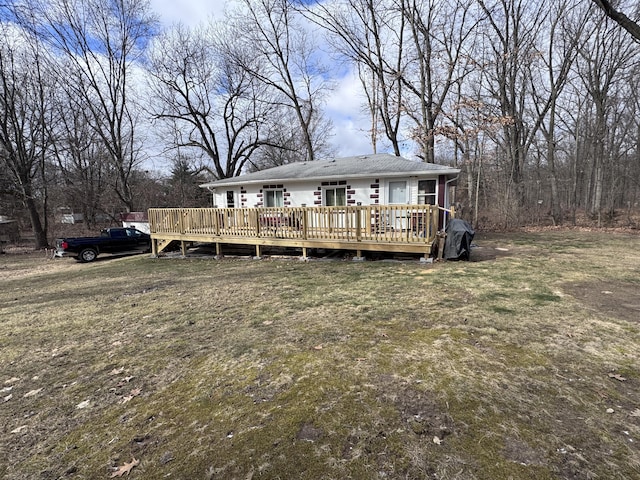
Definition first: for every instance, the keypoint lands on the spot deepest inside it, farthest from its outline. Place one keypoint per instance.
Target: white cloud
(345, 108)
(187, 12)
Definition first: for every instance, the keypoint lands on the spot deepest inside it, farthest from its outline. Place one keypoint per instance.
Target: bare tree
(369, 34)
(284, 59)
(81, 157)
(565, 35)
(25, 108)
(512, 29)
(206, 100)
(620, 18)
(440, 32)
(102, 41)
(605, 59)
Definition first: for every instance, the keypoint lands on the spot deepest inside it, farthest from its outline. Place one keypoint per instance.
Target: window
(335, 197)
(427, 192)
(397, 192)
(230, 199)
(273, 198)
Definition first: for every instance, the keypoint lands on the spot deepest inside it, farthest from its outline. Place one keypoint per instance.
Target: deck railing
(377, 223)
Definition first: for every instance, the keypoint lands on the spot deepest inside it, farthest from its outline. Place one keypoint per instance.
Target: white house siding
(370, 191)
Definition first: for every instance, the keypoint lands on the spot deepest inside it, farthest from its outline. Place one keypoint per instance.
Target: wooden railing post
(180, 221)
(305, 223)
(358, 211)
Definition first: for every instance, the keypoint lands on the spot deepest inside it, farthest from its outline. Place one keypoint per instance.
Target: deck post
(218, 250)
(183, 248)
(257, 251)
(441, 241)
(257, 223)
(305, 222)
(358, 225)
(154, 247)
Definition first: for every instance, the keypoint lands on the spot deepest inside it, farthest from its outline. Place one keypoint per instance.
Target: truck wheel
(87, 255)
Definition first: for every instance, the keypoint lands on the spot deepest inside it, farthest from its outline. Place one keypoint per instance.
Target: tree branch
(620, 18)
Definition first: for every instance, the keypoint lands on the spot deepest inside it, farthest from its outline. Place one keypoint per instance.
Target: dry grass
(503, 367)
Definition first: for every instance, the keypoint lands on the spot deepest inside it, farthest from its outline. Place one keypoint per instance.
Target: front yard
(520, 364)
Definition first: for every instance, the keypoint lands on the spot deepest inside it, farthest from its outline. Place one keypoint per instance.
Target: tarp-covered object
(457, 245)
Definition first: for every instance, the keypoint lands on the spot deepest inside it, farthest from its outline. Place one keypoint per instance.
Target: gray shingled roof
(381, 165)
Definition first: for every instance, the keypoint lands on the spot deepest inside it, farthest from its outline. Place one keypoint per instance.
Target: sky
(344, 105)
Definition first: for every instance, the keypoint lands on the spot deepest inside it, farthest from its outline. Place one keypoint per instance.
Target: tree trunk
(39, 232)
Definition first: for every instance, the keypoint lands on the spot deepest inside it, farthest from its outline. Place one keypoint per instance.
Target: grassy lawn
(521, 364)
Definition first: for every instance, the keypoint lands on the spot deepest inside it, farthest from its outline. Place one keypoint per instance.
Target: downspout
(446, 197)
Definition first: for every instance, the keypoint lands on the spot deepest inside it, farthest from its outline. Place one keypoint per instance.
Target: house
(137, 220)
(380, 179)
(363, 203)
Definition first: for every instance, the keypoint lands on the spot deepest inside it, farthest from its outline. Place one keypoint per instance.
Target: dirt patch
(309, 433)
(485, 253)
(419, 410)
(615, 299)
(521, 452)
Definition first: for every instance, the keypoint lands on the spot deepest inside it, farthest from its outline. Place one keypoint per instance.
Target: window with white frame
(335, 197)
(398, 192)
(273, 198)
(427, 192)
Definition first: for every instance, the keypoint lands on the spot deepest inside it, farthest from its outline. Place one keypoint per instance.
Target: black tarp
(457, 245)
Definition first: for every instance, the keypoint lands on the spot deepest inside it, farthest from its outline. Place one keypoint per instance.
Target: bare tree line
(536, 102)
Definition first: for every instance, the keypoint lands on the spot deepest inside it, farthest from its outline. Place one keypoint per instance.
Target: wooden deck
(385, 228)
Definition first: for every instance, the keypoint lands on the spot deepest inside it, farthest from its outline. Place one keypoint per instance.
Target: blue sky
(344, 105)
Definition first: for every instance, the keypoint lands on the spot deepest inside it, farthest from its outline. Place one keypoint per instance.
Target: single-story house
(365, 203)
(380, 179)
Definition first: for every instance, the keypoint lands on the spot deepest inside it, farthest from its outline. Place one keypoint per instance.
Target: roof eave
(238, 180)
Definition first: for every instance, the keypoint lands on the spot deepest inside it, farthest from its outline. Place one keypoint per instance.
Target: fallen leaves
(124, 381)
(134, 393)
(32, 393)
(126, 468)
(615, 376)
(83, 404)
(635, 413)
(19, 429)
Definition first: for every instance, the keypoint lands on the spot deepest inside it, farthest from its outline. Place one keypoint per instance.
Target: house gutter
(235, 181)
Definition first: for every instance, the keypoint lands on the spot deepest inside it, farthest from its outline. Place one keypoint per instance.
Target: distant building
(138, 220)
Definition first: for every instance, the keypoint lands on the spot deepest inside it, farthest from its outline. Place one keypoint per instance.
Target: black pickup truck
(111, 240)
